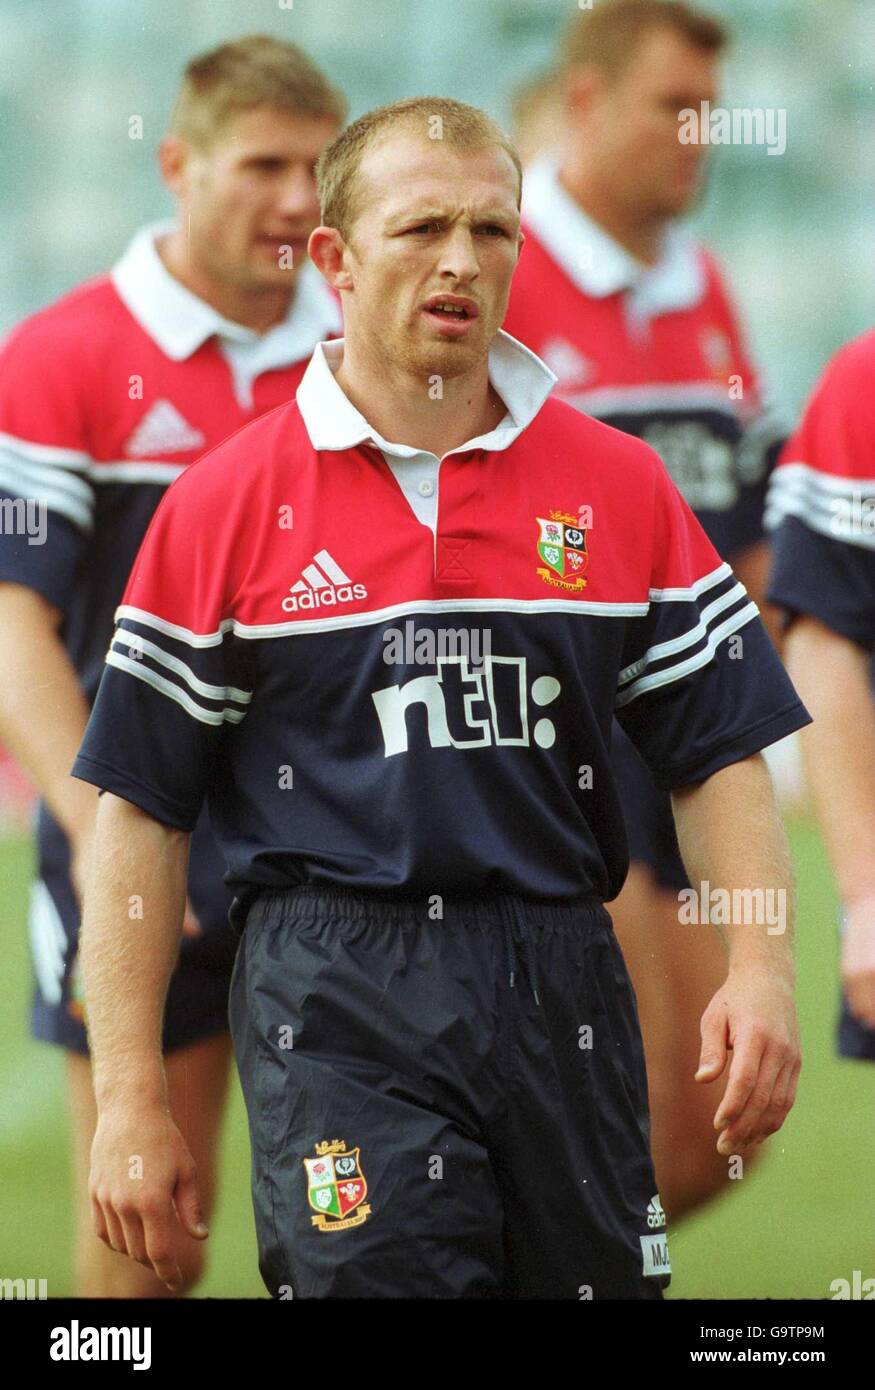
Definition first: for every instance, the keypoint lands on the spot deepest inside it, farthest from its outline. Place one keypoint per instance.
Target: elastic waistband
(312, 901)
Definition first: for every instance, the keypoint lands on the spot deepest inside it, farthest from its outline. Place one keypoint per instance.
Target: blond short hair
(608, 36)
(247, 73)
(461, 126)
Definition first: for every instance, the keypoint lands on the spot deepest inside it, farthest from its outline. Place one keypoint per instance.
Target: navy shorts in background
(854, 1039)
(197, 995)
(444, 1108)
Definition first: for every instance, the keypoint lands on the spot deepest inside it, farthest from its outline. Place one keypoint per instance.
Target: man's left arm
(731, 837)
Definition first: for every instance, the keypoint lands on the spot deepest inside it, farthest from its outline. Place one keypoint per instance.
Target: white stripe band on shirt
(150, 677)
(50, 454)
(58, 493)
(634, 400)
(182, 634)
(694, 590)
(832, 483)
(212, 692)
(692, 663)
(40, 474)
(819, 500)
(380, 615)
(686, 639)
(141, 471)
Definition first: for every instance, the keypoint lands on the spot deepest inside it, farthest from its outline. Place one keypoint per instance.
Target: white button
(426, 487)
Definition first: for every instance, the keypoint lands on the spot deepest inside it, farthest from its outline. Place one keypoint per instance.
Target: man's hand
(754, 1016)
(858, 960)
(144, 1216)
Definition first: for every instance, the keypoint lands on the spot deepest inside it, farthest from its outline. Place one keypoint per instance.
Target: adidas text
(324, 598)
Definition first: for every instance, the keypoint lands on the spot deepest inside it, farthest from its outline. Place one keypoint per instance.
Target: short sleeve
(46, 493)
(175, 683)
(701, 684)
(821, 508)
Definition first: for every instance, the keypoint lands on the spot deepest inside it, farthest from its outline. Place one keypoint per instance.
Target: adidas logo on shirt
(314, 590)
(655, 1212)
(163, 430)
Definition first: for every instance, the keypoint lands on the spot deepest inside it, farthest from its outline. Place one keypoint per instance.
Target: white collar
(179, 322)
(597, 263)
(521, 379)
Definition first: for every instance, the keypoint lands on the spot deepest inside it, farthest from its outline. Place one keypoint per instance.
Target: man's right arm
(823, 579)
(832, 675)
(140, 1166)
(43, 712)
(43, 716)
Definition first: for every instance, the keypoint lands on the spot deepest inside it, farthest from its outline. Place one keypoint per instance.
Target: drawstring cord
(514, 916)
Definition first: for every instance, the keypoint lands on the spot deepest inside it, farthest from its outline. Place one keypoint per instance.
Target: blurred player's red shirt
(655, 351)
(107, 396)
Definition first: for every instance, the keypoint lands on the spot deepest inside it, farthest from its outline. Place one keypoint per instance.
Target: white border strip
(135, 642)
(692, 663)
(150, 677)
(695, 590)
(687, 639)
(450, 605)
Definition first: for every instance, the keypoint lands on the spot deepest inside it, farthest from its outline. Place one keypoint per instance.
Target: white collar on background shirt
(521, 379)
(598, 264)
(179, 322)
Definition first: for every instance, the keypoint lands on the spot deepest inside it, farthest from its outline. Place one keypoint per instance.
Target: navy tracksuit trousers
(446, 1099)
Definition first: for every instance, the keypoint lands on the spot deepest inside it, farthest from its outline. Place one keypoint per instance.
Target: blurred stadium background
(796, 234)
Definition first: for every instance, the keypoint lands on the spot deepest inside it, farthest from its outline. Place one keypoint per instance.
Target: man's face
(433, 225)
(630, 128)
(251, 193)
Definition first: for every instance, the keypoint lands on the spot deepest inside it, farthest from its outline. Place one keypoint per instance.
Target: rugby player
(538, 116)
(435, 1031)
(634, 318)
(821, 509)
(105, 397)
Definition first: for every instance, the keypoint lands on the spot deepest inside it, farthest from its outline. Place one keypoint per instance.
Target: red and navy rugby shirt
(655, 351)
(282, 649)
(106, 397)
(821, 506)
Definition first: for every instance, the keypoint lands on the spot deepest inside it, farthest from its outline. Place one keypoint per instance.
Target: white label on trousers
(655, 1252)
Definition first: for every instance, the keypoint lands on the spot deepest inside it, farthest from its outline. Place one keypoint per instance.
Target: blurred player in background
(633, 316)
(822, 508)
(105, 397)
(539, 117)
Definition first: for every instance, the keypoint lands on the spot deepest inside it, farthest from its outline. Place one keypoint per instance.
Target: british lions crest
(336, 1187)
(562, 547)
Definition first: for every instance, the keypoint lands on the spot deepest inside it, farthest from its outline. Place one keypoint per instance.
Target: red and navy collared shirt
(106, 397)
(655, 351)
(368, 700)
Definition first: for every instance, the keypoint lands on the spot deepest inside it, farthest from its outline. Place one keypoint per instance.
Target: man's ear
(173, 159)
(326, 248)
(582, 85)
